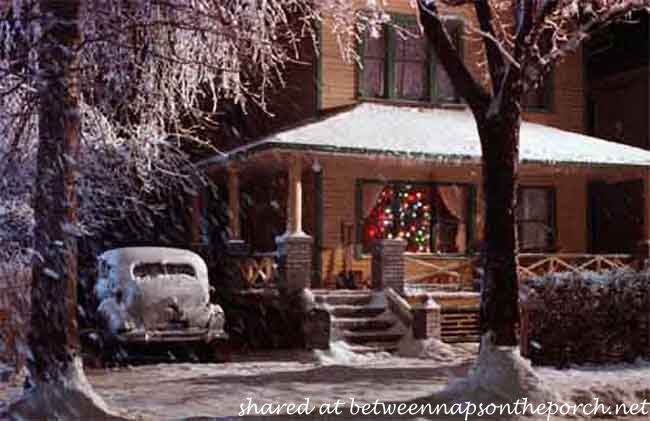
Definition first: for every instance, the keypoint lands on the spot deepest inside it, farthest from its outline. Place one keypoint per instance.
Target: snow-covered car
(154, 295)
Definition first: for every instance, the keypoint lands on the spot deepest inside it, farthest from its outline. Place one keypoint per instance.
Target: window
(541, 98)
(431, 218)
(411, 66)
(374, 65)
(536, 219)
(399, 64)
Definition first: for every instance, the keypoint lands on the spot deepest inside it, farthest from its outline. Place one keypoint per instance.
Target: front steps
(362, 320)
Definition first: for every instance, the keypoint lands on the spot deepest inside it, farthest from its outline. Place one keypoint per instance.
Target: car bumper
(171, 336)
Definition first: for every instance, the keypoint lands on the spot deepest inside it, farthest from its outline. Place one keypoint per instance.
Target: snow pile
(500, 375)
(73, 398)
(377, 128)
(431, 349)
(340, 353)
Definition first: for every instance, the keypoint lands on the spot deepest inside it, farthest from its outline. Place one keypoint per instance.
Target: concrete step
(371, 337)
(350, 311)
(371, 347)
(362, 323)
(347, 299)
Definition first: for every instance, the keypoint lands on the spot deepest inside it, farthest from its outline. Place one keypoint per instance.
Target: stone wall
(587, 318)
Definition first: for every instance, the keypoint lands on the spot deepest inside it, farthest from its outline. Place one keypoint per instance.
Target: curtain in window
(533, 213)
(374, 65)
(371, 193)
(411, 65)
(450, 229)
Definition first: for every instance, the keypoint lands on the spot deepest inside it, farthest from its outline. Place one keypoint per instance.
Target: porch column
(233, 203)
(294, 247)
(236, 245)
(294, 199)
(387, 266)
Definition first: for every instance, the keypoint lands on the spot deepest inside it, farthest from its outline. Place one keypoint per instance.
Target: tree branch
(584, 31)
(495, 60)
(477, 98)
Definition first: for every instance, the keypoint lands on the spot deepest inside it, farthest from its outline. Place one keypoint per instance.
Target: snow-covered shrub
(587, 317)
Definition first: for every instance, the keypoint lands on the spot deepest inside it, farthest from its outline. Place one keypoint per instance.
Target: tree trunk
(53, 335)
(499, 292)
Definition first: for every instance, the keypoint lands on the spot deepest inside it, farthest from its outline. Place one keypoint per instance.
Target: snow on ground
(176, 391)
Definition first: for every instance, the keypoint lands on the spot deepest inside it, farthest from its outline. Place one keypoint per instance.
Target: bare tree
(522, 40)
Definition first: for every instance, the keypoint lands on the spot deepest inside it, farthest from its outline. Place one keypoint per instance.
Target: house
(389, 151)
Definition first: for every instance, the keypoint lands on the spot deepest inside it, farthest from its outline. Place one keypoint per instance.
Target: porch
(323, 204)
(308, 206)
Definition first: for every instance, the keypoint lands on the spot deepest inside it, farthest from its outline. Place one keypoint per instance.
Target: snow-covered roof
(446, 135)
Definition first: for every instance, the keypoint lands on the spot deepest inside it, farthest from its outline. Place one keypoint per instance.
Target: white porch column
(294, 247)
(234, 224)
(294, 200)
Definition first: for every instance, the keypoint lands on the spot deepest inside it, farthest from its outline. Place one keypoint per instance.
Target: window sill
(538, 110)
(413, 103)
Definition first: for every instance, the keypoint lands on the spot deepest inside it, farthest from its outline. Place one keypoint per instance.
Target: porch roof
(443, 135)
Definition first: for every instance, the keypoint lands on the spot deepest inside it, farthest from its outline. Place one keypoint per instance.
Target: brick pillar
(388, 264)
(427, 319)
(294, 261)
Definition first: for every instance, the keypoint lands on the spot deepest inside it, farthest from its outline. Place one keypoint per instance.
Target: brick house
(389, 151)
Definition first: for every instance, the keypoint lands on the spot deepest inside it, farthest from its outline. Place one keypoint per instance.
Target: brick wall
(295, 254)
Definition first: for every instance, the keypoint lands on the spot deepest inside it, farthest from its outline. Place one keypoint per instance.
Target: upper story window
(541, 98)
(399, 64)
(430, 217)
(536, 219)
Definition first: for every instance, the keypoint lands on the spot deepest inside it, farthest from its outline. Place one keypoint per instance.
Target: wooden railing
(453, 275)
(458, 275)
(533, 265)
(259, 270)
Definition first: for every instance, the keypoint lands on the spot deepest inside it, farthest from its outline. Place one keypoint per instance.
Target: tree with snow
(522, 40)
(86, 84)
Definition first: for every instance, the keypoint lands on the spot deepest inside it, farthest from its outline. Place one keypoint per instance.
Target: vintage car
(156, 295)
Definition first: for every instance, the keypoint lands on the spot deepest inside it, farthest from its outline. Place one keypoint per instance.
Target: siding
(338, 78)
(341, 173)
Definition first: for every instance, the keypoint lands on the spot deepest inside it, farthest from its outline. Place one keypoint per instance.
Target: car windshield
(144, 270)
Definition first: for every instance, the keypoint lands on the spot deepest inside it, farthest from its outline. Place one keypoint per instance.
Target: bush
(586, 317)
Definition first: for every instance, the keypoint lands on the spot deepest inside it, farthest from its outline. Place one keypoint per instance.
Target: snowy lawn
(177, 391)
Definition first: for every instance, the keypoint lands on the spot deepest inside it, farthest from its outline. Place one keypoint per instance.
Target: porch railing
(461, 275)
(454, 275)
(259, 270)
(533, 265)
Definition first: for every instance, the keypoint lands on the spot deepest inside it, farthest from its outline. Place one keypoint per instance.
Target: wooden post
(234, 223)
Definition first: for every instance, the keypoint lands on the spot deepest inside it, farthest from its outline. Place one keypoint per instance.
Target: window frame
(390, 35)
(470, 215)
(549, 96)
(551, 192)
